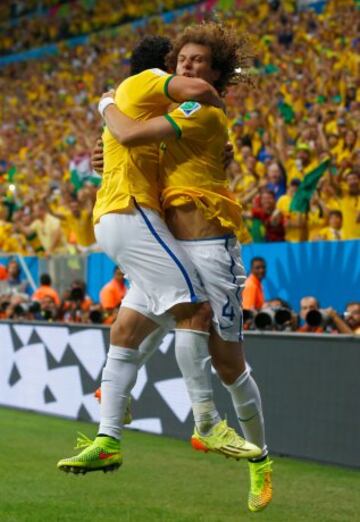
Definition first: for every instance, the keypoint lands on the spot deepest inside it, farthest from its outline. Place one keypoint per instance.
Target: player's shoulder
(194, 109)
(150, 73)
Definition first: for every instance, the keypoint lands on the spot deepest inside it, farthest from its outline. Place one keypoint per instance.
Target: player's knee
(124, 334)
(228, 370)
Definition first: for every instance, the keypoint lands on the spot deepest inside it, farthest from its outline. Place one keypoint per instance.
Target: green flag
(11, 174)
(301, 200)
(256, 229)
(286, 111)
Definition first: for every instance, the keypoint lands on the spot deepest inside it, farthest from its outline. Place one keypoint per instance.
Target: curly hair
(230, 54)
(150, 53)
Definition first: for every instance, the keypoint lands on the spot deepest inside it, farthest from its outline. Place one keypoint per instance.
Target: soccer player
(202, 214)
(130, 230)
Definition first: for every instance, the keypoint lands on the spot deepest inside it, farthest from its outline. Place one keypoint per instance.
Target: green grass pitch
(161, 480)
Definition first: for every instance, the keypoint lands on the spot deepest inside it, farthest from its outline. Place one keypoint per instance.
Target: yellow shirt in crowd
(132, 172)
(81, 226)
(283, 205)
(46, 229)
(331, 234)
(350, 208)
(315, 223)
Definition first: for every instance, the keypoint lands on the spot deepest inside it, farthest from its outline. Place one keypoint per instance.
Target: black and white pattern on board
(56, 369)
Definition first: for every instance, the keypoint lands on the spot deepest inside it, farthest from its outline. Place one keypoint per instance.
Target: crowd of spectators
(302, 106)
(34, 23)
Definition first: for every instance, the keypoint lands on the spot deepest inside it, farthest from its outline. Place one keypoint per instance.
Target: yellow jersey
(331, 234)
(192, 164)
(292, 234)
(350, 208)
(133, 172)
(82, 227)
(315, 223)
(296, 172)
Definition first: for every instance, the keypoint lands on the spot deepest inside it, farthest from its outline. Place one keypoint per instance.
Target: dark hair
(45, 279)
(150, 53)
(337, 213)
(78, 283)
(229, 51)
(268, 191)
(257, 259)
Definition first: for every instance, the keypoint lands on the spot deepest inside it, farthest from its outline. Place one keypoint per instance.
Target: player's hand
(228, 155)
(97, 157)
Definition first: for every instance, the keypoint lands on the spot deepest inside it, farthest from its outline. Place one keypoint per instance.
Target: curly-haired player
(201, 212)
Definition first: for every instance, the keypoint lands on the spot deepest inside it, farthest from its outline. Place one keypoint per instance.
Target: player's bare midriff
(187, 222)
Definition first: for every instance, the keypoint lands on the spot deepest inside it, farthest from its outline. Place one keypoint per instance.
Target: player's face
(194, 61)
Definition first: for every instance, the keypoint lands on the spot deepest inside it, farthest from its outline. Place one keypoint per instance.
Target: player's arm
(181, 89)
(131, 132)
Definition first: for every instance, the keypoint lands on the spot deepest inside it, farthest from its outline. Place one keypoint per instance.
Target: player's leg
(229, 361)
(141, 244)
(191, 348)
(221, 270)
(118, 378)
(223, 281)
(192, 317)
(192, 354)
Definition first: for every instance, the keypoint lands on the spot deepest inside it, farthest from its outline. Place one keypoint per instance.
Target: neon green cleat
(102, 454)
(224, 440)
(260, 493)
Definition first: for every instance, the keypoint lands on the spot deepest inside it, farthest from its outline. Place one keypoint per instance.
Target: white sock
(247, 403)
(192, 356)
(118, 379)
(150, 344)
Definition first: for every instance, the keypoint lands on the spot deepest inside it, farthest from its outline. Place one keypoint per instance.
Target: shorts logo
(188, 108)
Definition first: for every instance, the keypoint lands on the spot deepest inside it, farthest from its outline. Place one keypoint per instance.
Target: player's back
(133, 172)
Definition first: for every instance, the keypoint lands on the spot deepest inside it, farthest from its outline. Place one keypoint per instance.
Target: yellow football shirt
(133, 172)
(192, 164)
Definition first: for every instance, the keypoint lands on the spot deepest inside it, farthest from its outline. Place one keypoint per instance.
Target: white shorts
(220, 267)
(140, 243)
(137, 300)
(219, 264)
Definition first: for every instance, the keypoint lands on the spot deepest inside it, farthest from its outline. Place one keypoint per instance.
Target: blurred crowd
(34, 23)
(20, 302)
(301, 107)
